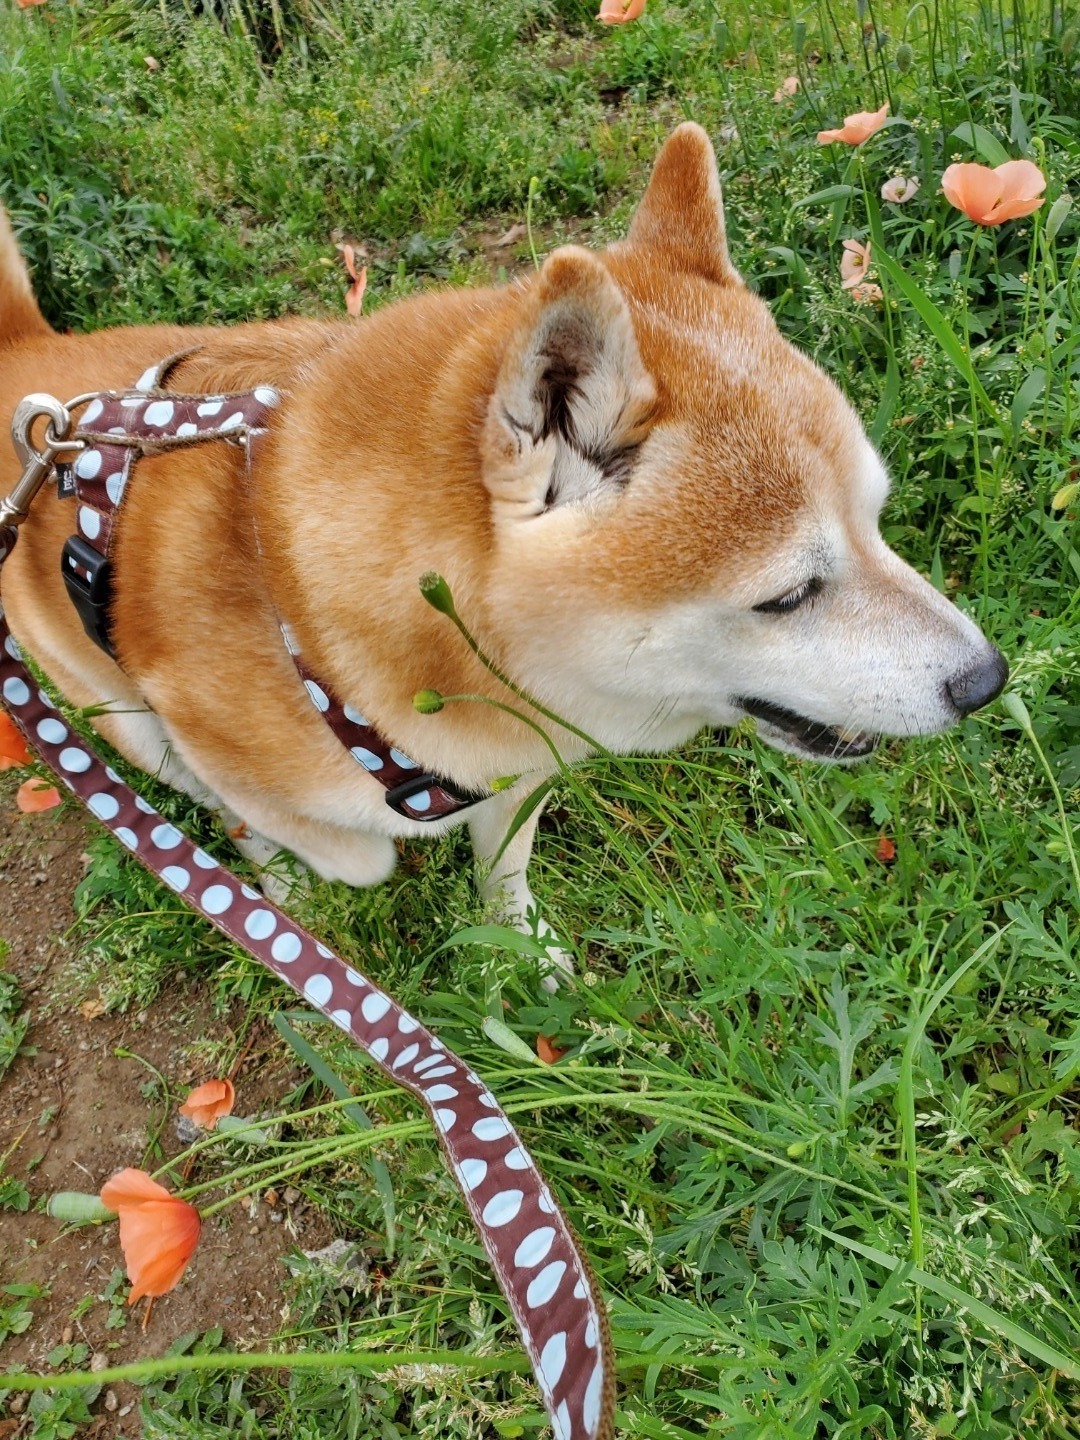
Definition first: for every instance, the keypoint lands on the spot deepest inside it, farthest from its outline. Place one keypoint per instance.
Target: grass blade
(941, 331)
(356, 1113)
(986, 1315)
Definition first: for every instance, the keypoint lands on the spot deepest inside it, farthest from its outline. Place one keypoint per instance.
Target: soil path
(75, 1106)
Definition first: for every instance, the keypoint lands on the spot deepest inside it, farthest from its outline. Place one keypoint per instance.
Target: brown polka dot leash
(539, 1266)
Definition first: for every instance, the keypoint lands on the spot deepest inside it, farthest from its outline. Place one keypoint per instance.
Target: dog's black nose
(979, 683)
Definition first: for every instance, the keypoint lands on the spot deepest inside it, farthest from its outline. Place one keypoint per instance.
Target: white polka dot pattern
(117, 428)
(425, 798)
(532, 1250)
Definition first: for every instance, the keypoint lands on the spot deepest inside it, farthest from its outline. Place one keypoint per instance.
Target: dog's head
(685, 509)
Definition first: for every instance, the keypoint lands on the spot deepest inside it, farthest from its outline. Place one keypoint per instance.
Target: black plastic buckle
(91, 595)
(399, 794)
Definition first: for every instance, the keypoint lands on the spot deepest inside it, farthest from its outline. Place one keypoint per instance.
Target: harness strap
(116, 429)
(533, 1251)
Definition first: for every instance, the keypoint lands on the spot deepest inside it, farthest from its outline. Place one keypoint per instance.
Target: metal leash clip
(37, 463)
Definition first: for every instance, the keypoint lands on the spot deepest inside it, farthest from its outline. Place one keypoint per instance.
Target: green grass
(817, 1123)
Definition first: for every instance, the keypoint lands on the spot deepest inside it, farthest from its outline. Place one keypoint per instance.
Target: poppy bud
(904, 57)
(77, 1208)
(436, 592)
(427, 702)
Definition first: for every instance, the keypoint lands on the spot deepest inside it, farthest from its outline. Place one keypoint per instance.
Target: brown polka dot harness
(533, 1251)
(117, 429)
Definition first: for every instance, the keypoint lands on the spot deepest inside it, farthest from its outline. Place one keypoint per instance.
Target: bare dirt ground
(74, 1109)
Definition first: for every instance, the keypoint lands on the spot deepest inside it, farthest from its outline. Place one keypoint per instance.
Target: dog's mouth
(787, 730)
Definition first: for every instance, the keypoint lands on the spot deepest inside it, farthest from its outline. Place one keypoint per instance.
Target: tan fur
(425, 437)
(19, 313)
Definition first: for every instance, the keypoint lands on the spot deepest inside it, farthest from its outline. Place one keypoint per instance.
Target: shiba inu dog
(653, 512)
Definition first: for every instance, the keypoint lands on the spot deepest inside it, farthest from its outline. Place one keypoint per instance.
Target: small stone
(111, 1401)
(67, 1336)
(99, 1361)
(276, 1217)
(125, 1410)
(187, 1132)
(291, 1195)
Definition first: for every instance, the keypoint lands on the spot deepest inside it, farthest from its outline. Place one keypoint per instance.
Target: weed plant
(817, 1120)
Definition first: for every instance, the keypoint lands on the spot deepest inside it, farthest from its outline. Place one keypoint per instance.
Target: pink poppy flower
(856, 128)
(854, 264)
(618, 12)
(866, 293)
(992, 196)
(898, 190)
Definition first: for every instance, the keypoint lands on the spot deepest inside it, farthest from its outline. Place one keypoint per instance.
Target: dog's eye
(792, 599)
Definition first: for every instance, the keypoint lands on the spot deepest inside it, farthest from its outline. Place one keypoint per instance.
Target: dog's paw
(281, 875)
(281, 886)
(557, 964)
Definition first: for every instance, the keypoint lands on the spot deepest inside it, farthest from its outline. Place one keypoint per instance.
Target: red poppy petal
(354, 298)
(13, 749)
(158, 1239)
(131, 1187)
(207, 1103)
(34, 795)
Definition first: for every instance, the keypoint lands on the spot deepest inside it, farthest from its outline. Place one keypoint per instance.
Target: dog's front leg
(502, 878)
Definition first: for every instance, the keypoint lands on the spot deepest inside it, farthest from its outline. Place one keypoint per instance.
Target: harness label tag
(65, 481)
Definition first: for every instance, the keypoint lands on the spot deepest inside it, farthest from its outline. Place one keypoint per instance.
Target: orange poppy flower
(549, 1053)
(35, 794)
(856, 128)
(13, 749)
(618, 12)
(354, 296)
(990, 197)
(208, 1103)
(158, 1231)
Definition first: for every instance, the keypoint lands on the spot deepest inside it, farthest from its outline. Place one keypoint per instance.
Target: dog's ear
(682, 211)
(572, 400)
